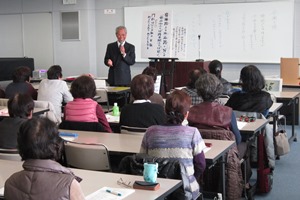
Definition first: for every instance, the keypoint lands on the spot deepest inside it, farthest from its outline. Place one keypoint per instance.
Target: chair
(167, 168)
(132, 130)
(233, 164)
(102, 95)
(10, 154)
(87, 156)
(51, 114)
(82, 126)
(223, 99)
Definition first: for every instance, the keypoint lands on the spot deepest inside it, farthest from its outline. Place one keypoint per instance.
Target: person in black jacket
(119, 56)
(252, 98)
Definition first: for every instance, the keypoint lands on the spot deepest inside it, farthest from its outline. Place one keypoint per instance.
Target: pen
(114, 192)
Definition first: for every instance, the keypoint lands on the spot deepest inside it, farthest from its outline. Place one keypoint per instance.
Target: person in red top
(83, 108)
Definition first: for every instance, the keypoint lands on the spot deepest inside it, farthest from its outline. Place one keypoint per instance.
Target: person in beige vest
(40, 147)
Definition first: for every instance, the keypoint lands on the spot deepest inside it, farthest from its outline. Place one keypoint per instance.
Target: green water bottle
(116, 111)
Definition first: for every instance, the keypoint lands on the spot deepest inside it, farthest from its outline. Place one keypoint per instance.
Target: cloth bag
(282, 143)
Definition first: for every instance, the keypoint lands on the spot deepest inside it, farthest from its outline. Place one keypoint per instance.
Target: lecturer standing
(119, 56)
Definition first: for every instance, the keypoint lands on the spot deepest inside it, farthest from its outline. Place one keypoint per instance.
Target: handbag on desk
(282, 143)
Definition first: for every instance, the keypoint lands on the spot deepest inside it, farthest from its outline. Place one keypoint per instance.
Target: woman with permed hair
(83, 108)
(177, 142)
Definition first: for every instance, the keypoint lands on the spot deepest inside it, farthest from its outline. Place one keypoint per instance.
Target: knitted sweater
(178, 142)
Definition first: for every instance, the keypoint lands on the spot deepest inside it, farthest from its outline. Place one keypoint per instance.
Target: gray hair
(120, 28)
(209, 87)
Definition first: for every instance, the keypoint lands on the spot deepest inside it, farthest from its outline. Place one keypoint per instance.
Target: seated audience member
(253, 98)
(216, 67)
(155, 98)
(2, 93)
(55, 90)
(21, 83)
(40, 147)
(190, 88)
(142, 113)
(20, 109)
(175, 141)
(83, 108)
(210, 114)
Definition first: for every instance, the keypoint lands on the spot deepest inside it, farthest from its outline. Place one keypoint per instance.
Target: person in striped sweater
(175, 141)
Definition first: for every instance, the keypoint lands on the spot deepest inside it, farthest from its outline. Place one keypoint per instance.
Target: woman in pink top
(83, 108)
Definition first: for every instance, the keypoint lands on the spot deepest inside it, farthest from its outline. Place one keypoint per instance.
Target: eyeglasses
(123, 183)
(245, 118)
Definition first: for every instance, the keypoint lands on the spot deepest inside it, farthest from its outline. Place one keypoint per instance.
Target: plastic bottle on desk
(116, 111)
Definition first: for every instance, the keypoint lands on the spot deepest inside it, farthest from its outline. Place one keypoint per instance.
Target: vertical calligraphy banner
(157, 34)
(179, 40)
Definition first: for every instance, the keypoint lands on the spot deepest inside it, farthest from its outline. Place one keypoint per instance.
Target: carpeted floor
(286, 177)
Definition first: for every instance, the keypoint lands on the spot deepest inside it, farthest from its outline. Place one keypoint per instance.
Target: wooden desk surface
(94, 180)
(131, 143)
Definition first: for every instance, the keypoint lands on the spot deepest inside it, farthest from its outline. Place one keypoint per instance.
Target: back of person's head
(20, 105)
(151, 71)
(215, 67)
(251, 78)
(21, 74)
(142, 86)
(177, 105)
(194, 75)
(83, 87)
(54, 72)
(209, 87)
(38, 138)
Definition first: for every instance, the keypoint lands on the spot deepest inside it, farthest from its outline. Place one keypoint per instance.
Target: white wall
(97, 30)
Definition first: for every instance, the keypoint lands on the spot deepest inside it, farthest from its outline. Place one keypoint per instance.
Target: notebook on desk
(102, 194)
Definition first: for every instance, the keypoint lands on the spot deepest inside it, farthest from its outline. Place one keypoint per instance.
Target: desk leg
(223, 177)
(294, 135)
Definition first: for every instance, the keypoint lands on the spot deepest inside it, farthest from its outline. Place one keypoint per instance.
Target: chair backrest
(87, 156)
(10, 154)
(132, 130)
(167, 168)
(223, 99)
(82, 126)
(51, 114)
(217, 134)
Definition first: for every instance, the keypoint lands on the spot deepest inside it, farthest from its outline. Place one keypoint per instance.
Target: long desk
(131, 144)
(36, 111)
(292, 97)
(94, 180)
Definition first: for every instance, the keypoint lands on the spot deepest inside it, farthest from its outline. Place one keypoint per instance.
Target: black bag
(264, 173)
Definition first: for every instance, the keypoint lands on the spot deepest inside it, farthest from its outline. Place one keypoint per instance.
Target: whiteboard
(237, 32)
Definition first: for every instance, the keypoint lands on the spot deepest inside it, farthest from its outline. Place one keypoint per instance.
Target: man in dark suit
(119, 56)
